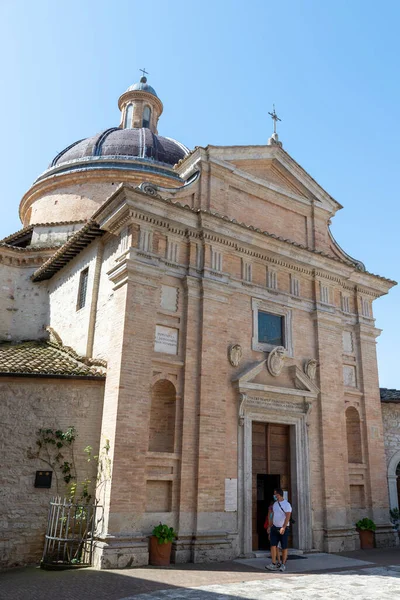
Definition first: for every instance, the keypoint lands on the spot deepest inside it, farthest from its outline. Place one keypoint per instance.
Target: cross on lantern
(144, 72)
(274, 117)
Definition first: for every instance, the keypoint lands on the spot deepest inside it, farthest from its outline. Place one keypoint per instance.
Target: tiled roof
(44, 359)
(22, 238)
(390, 395)
(82, 238)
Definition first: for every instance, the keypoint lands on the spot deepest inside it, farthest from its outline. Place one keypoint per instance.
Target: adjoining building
(192, 310)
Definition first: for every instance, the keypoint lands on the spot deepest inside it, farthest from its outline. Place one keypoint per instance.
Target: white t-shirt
(279, 515)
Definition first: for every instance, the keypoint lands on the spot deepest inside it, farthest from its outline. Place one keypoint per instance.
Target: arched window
(146, 117)
(353, 430)
(128, 116)
(162, 417)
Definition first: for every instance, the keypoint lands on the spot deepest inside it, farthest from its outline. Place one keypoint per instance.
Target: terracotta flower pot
(160, 554)
(366, 539)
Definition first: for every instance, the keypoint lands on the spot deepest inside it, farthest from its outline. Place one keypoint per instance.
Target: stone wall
(69, 202)
(391, 424)
(70, 322)
(26, 405)
(24, 305)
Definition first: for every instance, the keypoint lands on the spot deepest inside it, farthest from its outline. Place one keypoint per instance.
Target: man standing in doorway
(279, 529)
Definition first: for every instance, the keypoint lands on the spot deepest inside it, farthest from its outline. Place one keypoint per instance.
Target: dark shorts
(275, 537)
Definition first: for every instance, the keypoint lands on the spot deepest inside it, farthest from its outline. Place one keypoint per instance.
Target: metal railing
(69, 535)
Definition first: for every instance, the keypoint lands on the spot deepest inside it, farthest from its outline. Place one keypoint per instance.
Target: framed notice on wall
(230, 495)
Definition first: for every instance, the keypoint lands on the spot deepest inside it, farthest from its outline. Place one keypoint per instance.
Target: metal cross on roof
(144, 72)
(274, 117)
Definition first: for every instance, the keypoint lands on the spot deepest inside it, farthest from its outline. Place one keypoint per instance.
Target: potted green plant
(366, 528)
(160, 545)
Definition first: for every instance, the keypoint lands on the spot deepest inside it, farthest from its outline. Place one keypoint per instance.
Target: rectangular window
(83, 281)
(270, 329)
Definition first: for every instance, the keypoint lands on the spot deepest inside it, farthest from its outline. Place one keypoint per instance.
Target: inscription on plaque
(166, 340)
(230, 495)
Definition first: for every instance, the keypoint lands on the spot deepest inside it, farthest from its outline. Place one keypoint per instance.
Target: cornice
(106, 175)
(25, 257)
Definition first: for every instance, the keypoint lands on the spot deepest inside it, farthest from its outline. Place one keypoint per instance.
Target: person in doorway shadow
(279, 519)
(267, 527)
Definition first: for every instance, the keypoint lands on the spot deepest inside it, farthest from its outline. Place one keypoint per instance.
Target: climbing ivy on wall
(55, 447)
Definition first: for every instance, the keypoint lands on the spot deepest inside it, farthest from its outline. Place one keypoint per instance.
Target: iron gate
(69, 534)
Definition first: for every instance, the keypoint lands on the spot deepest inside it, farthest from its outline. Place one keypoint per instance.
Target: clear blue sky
(330, 67)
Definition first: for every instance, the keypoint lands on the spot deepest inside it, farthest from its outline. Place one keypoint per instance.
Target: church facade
(191, 312)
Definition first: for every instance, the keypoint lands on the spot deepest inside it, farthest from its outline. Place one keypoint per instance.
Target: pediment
(274, 167)
(291, 381)
(273, 173)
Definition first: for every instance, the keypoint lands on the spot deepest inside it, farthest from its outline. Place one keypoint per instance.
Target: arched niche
(353, 433)
(162, 417)
(393, 475)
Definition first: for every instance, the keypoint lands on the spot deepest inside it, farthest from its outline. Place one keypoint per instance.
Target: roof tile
(43, 358)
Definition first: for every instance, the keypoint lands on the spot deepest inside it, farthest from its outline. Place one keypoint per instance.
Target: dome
(117, 143)
(142, 86)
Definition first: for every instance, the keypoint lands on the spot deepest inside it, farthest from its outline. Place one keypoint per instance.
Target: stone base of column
(341, 539)
(205, 547)
(120, 553)
(385, 536)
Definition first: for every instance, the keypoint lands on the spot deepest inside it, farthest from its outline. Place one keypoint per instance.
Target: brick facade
(176, 282)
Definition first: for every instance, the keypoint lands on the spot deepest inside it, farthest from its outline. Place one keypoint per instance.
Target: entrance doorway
(270, 469)
(266, 484)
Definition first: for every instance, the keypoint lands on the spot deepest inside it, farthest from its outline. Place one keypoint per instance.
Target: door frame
(285, 413)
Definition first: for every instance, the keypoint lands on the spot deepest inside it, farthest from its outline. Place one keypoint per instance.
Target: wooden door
(270, 456)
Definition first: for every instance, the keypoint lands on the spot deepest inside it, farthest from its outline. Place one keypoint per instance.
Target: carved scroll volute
(242, 404)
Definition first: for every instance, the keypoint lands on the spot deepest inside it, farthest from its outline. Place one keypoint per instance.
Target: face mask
(275, 497)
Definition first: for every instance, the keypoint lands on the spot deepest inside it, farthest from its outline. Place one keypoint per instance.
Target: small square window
(270, 329)
(272, 326)
(83, 281)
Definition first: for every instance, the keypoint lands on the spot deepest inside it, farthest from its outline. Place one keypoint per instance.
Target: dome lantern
(140, 106)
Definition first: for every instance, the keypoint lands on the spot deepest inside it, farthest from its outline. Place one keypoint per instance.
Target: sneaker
(272, 567)
(282, 567)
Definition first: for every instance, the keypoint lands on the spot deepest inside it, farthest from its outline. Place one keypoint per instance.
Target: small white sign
(230, 495)
(166, 340)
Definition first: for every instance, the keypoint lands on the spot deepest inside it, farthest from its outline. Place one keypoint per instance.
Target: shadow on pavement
(32, 583)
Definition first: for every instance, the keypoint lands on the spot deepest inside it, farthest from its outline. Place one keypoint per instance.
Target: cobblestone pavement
(363, 574)
(365, 584)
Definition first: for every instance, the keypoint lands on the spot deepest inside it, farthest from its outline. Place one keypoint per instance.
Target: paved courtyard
(357, 575)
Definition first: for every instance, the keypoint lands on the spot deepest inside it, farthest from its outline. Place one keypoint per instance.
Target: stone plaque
(347, 341)
(166, 340)
(349, 376)
(230, 495)
(169, 297)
